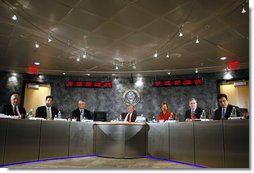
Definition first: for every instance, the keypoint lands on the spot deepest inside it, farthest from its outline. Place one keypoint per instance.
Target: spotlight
(243, 10)
(156, 54)
(14, 17)
(37, 45)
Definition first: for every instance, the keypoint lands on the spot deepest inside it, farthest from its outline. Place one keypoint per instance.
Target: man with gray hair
(194, 112)
(14, 109)
(81, 112)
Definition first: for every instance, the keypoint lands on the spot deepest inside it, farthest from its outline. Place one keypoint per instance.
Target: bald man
(14, 109)
(81, 112)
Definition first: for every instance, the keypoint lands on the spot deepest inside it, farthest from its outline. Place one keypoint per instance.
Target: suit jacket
(76, 114)
(133, 116)
(8, 110)
(217, 115)
(42, 112)
(198, 112)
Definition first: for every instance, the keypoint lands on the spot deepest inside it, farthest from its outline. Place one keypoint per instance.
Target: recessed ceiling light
(37, 63)
(223, 58)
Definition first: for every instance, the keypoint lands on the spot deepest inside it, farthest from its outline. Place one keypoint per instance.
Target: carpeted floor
(102, 163)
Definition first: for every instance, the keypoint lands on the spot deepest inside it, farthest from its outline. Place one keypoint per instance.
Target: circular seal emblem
(131, 97)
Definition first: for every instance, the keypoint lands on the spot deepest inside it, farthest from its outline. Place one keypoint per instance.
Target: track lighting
(49, 39)
(37, 45)
(197, 41)
(167, 56)
(14, 17)
(84, 55)
(156, 54)
(180, 34)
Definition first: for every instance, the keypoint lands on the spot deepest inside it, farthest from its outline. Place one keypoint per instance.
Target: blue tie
(223, 114)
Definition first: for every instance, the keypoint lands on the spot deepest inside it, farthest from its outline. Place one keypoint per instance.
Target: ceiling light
(88, 74)
(228, 75)
(37, 45)
(41, 76)
(169, 73)
(156, 54)
(64, 73)
(243, 10)
(134, 67)
(167, 56)
(180, 34)
(196, 71)
(14, 17)
(49, 39)
(117, 68)
(84, 55)
(37, 63)
(223, 58)
(78, 59)
(197, 41)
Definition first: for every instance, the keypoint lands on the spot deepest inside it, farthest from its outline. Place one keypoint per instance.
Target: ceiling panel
(83, 20)
(127, 29)
(105, 8)
(133, 17)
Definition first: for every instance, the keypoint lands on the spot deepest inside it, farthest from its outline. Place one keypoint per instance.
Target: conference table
(214, 144)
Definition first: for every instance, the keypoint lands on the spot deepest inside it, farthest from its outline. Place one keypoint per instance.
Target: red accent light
(167, 83)
(198, 81)
(177, 82)
(233, 65)
(157, 83)
(97, 84)
(107, 85)
(69, 84)
(187, 82)
(32, 69)
(79, 84)
(88, 84)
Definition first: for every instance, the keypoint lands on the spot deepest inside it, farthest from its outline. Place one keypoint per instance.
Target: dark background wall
(110, 99)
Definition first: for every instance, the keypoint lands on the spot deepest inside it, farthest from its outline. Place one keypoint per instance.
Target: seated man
(225, 109)
(47, 112)
(14, 109)
(81, 112)
(131, 115)
(194, 112)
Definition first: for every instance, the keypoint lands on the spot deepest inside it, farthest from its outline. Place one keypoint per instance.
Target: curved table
(120, 139)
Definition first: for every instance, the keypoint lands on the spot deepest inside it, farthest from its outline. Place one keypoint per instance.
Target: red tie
(128, 117)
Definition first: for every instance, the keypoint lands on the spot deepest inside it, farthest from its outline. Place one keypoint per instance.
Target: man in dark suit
(194, 112)
(14, 109)
(47, 112)
(131, 115)
(225, 109)
(81, 112)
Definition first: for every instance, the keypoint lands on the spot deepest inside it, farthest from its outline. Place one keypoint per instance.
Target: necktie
(48, 113)
(15, 110)
(223, 113)
(128, 117)
(193, 114)
(81, 115)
